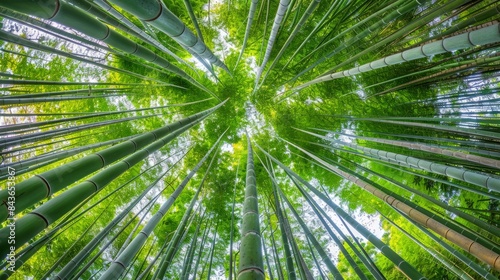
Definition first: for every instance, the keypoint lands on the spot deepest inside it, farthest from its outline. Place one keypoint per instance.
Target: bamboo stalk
(486, 255)
(251, 264)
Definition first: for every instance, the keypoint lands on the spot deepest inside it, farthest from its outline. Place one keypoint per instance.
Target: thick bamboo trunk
(45, 184)
(65, 14)
(156, 14)
(251, 264)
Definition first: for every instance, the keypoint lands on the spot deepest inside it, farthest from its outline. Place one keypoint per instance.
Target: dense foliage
(382, 173)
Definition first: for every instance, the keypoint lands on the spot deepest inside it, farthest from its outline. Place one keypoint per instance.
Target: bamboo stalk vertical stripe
(251, 264)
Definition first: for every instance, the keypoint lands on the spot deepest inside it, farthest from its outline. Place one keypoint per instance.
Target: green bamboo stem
(155, 239)
(479, 223)
(430, 14)
(452, 224)
(61, 83)
(112, 11)
(44, 135)
(479, 179)
(72, 265)
(268, 6)
(31, 249)
(19, 101)
(479, 147)
(45, 124)
(45, 239)
(479, 17)
(111, 239)
(85, 115)
(212, 250)
(189, 8)
(52, 30)
(200, 250)
(445, 70)
(45, 184)
(479, 251)
(310, 237)
(460, 147)
(56, 156)
(310, 9)
(451, 71)
(276, 259)
(75, 18)
(426, 148)
(322, 253)
(441, 259)
(114, 18)
(148, 269)
(231, 232)
(280, 13)
(371, 264)
(156, 14)
(397, 9)
(18, 152)
(334, 8)
(483, 36)
(320, 213)
(186, 268)
(123, 260)
(402, 265)
(173, 244)
(79, 239)
(251, 14)
(286, 244)
(9, 37)
(266, 257)
(75, 39)
(361, 253)
(492, 136)
(410, 170)
(85, 91)
(463, 258)
(181, 228)
(446, 221)
(70, 219)
(102, 112)
(318, 266)
(302, 267)
(251, 265)
(40, 218)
